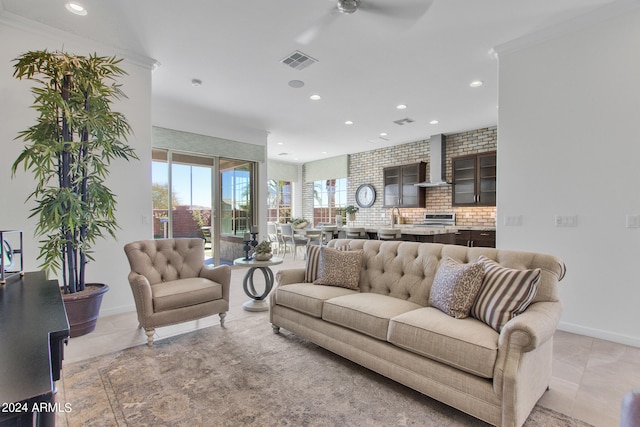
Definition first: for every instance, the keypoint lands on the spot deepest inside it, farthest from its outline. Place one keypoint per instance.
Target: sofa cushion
(339, 268)
(184, 292)
(307, 297)
(367, 312)
(455, 287)
(465, 344)
(505, 293)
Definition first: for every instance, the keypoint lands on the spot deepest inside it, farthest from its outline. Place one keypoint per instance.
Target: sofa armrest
(142, 296)
(288, 276)
(525, 353)
(220, 274)
(533, 327)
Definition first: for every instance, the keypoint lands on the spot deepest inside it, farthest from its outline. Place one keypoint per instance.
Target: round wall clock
(365, 195)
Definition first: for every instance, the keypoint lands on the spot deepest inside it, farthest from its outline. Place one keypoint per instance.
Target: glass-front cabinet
(399, 188)
(474, 180)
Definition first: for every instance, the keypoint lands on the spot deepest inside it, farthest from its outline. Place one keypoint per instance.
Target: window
(191, 178)
(187, 189)
(279, 201)
(329, 200)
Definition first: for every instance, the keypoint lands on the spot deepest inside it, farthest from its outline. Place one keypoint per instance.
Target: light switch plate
(633, 221)
(513, 220)
(566, 221)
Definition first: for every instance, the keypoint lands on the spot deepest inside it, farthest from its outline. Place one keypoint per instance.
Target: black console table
(33, 330)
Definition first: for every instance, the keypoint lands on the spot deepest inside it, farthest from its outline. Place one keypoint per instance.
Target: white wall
(168, 113)
(569, 144)
(131, 183)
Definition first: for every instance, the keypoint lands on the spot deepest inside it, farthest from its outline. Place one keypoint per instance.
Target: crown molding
(16, 21)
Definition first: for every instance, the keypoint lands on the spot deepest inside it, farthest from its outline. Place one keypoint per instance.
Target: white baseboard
(600, 334)
(116, 310)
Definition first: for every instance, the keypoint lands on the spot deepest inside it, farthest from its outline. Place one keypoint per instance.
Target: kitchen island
(483, 236)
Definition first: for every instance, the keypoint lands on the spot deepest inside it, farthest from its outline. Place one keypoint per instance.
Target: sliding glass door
(188, 192)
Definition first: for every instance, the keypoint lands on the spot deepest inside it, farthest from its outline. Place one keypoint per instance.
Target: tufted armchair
(171, 284)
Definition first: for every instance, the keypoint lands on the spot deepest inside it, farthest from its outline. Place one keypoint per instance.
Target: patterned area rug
(244, 375)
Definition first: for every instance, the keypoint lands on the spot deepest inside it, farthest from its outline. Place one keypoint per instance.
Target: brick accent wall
(366, 168)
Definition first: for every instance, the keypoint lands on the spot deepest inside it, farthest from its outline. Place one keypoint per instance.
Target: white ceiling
(367, 62)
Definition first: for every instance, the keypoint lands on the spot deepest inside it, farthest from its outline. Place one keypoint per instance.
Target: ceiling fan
(403, 12)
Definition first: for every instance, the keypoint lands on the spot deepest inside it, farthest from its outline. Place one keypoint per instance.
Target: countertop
(420, 230)
(412, 229)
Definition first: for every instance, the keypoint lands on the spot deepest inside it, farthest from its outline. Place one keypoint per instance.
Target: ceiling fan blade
(400, 9)
(319, 26)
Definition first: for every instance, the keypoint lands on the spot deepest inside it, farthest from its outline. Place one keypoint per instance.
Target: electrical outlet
(513, 220)
(633, 221)
(566, 221)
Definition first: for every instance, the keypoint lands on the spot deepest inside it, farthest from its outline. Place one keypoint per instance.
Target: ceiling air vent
(378, 139)
(404, 121)
(298, 60)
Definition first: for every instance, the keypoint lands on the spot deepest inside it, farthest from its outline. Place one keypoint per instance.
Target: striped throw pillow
(504, 294)
(311, 263)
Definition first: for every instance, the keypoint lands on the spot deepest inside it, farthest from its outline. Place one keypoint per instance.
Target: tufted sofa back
(406, 269)
(165, 260)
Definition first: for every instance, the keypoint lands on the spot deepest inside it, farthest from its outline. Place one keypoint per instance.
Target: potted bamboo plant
(69, 151)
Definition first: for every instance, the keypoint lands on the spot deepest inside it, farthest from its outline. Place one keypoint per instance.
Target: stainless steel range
(438, 220)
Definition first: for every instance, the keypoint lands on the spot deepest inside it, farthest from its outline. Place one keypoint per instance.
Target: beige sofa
(388, 326)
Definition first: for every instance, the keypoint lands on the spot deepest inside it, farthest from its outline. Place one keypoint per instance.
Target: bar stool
(328, 231)
(389, 234)
(355, 233)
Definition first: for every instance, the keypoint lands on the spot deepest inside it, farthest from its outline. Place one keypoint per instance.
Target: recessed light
(348, 122)
(196, 82)
(296, 84)
(280, 143)
(76, 8)
(401, 107)
(315, 97)
(434, 122)
(476, 83)
(323, 152)
(383, 134)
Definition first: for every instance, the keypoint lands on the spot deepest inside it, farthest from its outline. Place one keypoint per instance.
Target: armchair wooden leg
(222, 316)
(150, 333)
(275, 329)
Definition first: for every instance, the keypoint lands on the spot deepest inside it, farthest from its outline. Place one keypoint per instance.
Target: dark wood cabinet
(476, 238)
(33, 330)
(474, 180)
(462, 237)
(399, 188)
(447, 238)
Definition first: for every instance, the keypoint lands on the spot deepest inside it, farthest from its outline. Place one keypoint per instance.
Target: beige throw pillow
(505, 293)
(339, 268)
(455, 287)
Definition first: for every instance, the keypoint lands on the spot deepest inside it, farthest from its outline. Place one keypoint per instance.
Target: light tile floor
(590, 375)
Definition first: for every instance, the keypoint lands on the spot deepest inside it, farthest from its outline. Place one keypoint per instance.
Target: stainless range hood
(437, 165)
